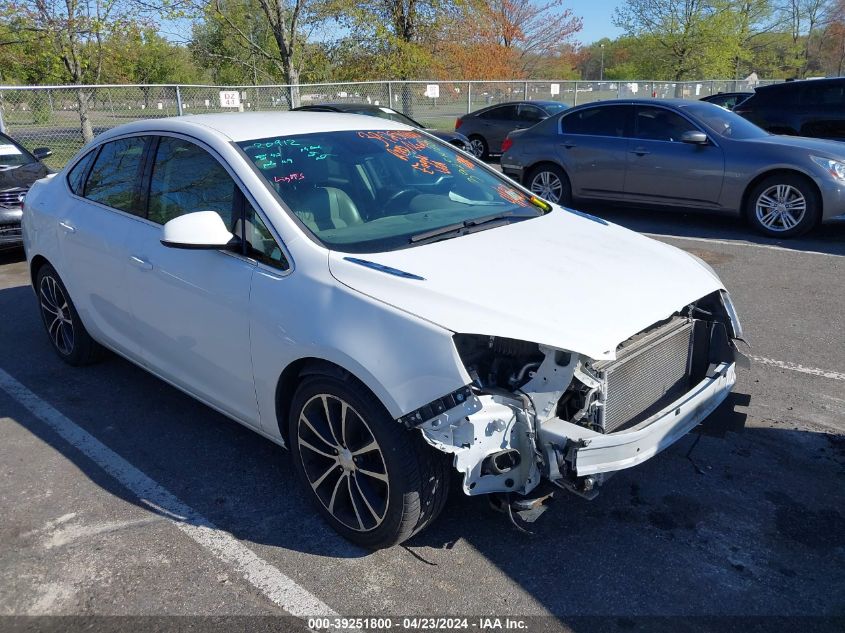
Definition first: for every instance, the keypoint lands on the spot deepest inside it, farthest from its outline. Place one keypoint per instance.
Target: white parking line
(835, 375)
(275, 585)
(770, 247)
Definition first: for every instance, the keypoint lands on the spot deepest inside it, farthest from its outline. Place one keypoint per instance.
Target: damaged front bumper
(587, 452)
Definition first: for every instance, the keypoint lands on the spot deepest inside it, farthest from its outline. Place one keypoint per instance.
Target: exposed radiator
(651, 371)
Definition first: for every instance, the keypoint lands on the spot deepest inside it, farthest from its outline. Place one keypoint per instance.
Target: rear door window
(598, 121)
(502, 113)
(76, 176)
(824, 94)
(116, 173)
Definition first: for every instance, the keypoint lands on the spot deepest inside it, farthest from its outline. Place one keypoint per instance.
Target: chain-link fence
(64, 118)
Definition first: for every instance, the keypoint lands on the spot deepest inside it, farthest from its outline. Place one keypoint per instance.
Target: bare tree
(75, 32)
(290, 22)
(803, 18)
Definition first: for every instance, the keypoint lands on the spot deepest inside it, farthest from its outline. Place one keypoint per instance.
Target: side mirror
(694, 137)
(42, 152)
(202, 230)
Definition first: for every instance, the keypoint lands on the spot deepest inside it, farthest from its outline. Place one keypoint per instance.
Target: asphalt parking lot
(122, 496)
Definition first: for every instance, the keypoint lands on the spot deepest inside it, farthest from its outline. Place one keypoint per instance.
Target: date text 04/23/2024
(480, 623)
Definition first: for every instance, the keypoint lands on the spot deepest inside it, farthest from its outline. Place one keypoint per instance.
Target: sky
(597, 16)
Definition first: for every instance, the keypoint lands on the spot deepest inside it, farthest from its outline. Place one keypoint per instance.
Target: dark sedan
(455, 138)
(727, 100)
(18, 170)
(678, 153)
(488, 127)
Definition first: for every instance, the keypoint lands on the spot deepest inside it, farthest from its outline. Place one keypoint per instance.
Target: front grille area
(651, 371)
(11, 197)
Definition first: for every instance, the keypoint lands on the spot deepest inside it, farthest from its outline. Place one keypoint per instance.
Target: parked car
(19, 168)
(344, 286)
(487, 128)
(679, 153)
(814, 107)
(727, 99)
(455, 138)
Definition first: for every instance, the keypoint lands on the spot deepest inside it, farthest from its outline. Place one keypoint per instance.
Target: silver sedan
(678, 153)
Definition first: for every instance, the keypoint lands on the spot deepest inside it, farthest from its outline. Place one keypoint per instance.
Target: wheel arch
(746, 194)
(37, 262)
(296, 371)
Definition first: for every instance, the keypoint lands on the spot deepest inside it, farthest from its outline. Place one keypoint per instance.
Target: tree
(74, 33)
(803, 18)
(267, 35)
(697, 36)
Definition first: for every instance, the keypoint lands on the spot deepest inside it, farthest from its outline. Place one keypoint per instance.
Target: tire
(376, 483)
(68, 336)
(783, 205)
(549, 182)
(479, 147)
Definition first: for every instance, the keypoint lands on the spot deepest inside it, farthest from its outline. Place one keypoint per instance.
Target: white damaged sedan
(383, 304)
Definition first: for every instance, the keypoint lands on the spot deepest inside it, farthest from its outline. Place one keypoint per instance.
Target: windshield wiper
(467, 226)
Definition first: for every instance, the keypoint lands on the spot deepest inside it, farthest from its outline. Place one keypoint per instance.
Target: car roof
(243, 126)
(344, 106)
(796, 85)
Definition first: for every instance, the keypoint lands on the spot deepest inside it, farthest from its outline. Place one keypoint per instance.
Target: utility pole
(601, 70)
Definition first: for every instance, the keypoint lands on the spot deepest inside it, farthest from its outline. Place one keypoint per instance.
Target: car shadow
(746, 524)
(826, 238)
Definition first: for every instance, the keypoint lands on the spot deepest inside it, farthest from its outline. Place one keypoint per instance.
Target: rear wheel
(479, 147)
(68, 335)
(783, 205)
(550, 183)
(376, 483)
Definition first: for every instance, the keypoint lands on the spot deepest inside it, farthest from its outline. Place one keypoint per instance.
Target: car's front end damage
(534, 412)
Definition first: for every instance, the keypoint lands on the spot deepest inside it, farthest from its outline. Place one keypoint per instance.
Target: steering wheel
(399, 194)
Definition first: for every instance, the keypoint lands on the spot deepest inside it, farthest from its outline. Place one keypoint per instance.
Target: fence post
(469, 98)
(525, 91)
(2, 124)
(178, 101)
(390, 94)
(575, 95)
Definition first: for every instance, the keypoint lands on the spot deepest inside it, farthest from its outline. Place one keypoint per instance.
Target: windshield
(11, 155)
(724, 122)
(370, 191)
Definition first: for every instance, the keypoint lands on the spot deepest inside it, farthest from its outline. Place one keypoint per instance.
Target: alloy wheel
(780, 207)
(57, 315)
(477, 147)
(547, 185)
(343, 462)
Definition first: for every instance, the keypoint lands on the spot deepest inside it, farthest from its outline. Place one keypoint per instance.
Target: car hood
(564, 280)
(22, 176)
(835, 148)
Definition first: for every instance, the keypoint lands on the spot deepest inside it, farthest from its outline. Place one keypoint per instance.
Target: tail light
(507, 144)
(458, 123)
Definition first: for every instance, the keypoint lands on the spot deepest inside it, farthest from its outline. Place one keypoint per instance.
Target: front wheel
(783, 205)
(375, 482)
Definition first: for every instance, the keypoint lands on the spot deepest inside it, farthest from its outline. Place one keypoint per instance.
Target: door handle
(143, 264)
(69, 228)
(640, 151)
(569, 145)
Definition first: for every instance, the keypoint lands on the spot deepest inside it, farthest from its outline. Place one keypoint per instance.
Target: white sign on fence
(230, 99)
(555, 89)
(432, 91)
